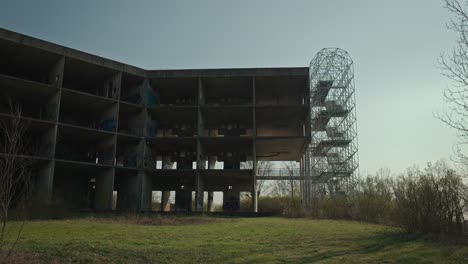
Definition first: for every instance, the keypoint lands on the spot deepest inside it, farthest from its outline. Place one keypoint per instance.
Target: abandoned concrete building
(104, 128)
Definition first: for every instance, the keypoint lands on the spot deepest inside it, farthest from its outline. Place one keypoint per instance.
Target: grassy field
(225, 240)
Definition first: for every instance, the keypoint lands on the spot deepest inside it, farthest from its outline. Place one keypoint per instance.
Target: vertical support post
(167, 164)
(165, 202)
(104, 190)
(128, 192)
(308, 180)
(44, 185)
(301, 181)
(200, 161)
(210, 202)
(146, 191)
(199, 193)
(211, 165)
(145, 181)
(183, 200)
(46, 176)
(231, 201)
(254, 150)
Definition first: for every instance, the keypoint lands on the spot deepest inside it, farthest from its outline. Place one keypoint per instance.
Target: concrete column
(167, 164)
(200, 159)
(104, 190)
(127, 192)
(301, 181)
(112, 86)
(146, 191)
(254, 186)
(46, 175)
(211, 165)
(199, 196)
(212, 162)
(165, 202)
(184, 192)
(44, 185)
(183, 202)
(231, 201)
(254, 199)
(210, 201)
(254, 149)
(56, 73)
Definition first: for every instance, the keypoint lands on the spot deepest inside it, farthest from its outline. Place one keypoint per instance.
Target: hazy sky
(395, 46)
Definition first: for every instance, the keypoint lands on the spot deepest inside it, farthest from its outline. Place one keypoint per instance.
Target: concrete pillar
(211, 165)
(183, 202)
(167, 164)
(254, 188)
(44, 185)
(165, 202)
(127, 192)
(231, 201)
(255, 199)
(104, 190)
(55, 77)
(254, 147)
(199, 193)
(146, 191)
(210, 201)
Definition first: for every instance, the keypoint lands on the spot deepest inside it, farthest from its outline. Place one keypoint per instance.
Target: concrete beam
(293, 71)
(69, 52)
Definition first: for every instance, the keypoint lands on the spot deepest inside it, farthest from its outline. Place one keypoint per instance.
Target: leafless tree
(455, 67)
(290, 187)
(15, 172)
(263, 169)
(288, 191)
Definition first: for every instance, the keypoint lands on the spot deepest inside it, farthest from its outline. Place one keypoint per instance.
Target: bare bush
(430, 201)
(264, 168)
(288, 192)
(15, 184)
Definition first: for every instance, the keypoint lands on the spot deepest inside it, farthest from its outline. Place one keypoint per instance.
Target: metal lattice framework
(331, 161)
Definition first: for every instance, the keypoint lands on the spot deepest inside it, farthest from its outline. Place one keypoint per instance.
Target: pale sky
(395, 46)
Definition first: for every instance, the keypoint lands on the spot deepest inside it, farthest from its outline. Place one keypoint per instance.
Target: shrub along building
(102, 127)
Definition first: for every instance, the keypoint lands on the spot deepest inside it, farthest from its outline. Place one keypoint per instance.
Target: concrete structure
(102, 127)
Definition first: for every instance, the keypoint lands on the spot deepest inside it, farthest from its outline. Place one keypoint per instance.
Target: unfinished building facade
(103, 129)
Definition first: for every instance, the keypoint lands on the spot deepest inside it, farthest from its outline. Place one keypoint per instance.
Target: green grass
(227, 240)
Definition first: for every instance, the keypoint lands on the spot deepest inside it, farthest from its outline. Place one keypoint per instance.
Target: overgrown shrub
(332, 207)
(280, 206)
(431, 202)
(428, 201)
(373, 200)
